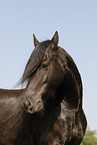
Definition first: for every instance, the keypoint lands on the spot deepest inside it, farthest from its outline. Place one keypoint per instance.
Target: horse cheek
(56, 74)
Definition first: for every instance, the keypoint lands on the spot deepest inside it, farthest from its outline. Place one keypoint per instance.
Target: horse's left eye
(44, 65)
(44, 62)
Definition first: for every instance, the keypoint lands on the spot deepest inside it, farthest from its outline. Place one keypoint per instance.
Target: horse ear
(55, 38)
(36, 42)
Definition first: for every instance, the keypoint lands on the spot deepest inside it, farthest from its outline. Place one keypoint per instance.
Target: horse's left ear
(55, 38)
(36, 42)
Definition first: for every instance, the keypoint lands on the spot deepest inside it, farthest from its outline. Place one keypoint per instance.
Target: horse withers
(49, 110)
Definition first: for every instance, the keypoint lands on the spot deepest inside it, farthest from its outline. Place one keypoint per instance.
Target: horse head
(44, 73)
(52, 76)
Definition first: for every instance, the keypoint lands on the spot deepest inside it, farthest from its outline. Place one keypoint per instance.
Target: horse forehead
(51, 51)
(51, 56)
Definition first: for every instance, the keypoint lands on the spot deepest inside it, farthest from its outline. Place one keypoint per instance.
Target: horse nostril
(27, 103)
(38, 102)
(39, 106)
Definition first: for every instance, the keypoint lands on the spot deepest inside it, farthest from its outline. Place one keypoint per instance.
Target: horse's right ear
(55, 38)
(36, 42)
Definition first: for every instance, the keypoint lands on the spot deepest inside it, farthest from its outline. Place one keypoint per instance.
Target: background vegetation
(90, 138)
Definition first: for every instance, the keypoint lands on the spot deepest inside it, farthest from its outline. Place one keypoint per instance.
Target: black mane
(35, 59)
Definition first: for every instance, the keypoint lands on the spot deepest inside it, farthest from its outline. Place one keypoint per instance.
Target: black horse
(49, 110)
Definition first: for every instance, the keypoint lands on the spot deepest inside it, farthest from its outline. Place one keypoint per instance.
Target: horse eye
(55, 48)
(44, 65)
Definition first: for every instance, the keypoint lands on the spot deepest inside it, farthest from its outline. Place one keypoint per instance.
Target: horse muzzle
(33, 105)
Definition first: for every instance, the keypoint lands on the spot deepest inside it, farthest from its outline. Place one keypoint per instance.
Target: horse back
(10, 93)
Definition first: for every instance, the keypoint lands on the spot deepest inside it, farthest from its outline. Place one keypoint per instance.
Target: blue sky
(76, 23)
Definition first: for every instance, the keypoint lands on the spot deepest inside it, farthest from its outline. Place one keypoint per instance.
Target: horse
(49, 110)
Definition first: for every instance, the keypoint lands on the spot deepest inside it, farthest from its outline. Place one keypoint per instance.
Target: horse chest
(60, 132)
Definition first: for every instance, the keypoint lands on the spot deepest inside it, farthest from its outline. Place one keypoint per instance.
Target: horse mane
(35, 59)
